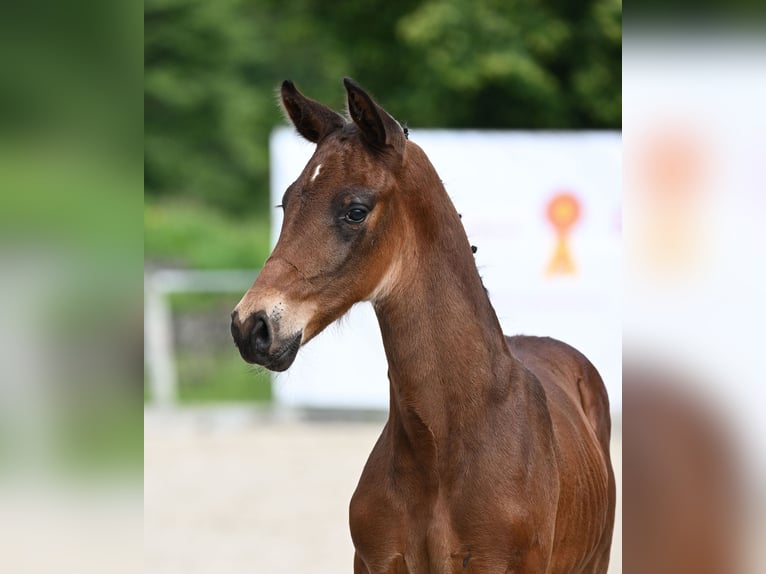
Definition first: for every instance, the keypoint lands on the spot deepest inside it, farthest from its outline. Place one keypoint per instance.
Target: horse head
(345, 228)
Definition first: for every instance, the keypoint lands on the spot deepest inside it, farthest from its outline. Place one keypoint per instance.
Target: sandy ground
(234, 491)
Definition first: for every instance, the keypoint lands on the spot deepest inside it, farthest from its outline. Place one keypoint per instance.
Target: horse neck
(446, 351)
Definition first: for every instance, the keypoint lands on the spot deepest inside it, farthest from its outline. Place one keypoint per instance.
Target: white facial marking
(316, 172)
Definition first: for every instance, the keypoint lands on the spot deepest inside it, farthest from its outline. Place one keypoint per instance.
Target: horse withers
(495, 455)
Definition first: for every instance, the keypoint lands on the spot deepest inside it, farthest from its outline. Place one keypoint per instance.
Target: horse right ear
(312, 119)
(377, 126)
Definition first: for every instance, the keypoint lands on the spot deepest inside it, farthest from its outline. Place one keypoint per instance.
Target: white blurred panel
(502, 183)
(695, 301)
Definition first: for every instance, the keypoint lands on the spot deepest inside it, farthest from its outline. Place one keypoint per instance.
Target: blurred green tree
(211, 69)
(517, 63)
(202, 111)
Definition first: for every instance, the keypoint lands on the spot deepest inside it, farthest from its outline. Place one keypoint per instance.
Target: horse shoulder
(377, 516)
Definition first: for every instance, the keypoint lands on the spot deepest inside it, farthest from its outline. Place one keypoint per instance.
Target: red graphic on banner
(673, 171)
(563, 212)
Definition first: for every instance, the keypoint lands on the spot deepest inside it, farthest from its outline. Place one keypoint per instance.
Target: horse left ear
(378, 128)
(314, 121)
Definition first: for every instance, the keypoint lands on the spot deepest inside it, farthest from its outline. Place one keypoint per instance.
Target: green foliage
(205, 118)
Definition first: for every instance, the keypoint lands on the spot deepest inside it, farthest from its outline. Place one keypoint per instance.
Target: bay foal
(495, 456)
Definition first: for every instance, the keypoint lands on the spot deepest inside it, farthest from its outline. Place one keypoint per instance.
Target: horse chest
(412, 531)
(405, 537)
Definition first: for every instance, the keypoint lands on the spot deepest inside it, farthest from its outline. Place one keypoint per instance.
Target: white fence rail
(159, 352)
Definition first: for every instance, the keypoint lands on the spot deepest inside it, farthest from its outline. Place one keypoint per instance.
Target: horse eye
(356, 215)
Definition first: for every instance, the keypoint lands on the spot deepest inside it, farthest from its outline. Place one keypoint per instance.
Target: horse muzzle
(259, 343)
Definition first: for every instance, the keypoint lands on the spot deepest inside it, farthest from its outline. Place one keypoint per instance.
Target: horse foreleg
(395, 566)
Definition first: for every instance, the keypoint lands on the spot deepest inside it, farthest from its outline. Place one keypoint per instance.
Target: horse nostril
(261, 334)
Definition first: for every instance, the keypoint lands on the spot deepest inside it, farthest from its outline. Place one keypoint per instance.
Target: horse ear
(312, 119)
(378, 128)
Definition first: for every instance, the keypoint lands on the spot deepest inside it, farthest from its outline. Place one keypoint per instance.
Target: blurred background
(77, 427)
(693, 425)
(71, 263)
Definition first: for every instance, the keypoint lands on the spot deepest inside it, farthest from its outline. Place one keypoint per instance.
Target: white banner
(544, 210)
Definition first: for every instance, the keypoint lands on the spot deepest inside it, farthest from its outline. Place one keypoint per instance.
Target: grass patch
(221, 303)
(220, 378)
(190, 234)
(107, 435)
